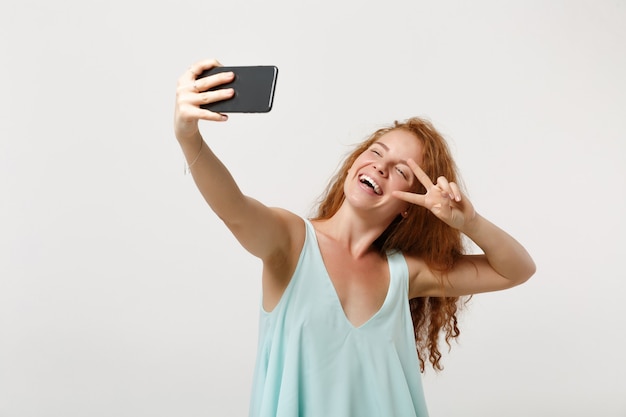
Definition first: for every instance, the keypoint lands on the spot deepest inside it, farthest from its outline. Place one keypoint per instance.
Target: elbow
(526, 272)
(532, 270)
(520, 274)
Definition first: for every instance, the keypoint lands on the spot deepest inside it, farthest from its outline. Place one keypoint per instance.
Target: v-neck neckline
(334, 289)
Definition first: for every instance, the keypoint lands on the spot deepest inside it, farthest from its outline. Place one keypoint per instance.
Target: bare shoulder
(419, 283)
(426, 282)
(293, 224)
(292, 235)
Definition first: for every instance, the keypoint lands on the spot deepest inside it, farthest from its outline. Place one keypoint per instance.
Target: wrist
(185, 137)
(473, 225)
(188, 136)
(185, 130)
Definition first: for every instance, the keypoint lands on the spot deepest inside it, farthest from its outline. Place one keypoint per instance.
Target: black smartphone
(254, 89)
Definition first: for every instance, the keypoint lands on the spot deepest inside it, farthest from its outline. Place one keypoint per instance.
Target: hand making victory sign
(444, 199)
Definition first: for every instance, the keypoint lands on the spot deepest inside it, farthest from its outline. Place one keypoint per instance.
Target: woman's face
(381, 169)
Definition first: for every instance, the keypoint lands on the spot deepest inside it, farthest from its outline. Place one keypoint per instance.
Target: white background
(122, 294)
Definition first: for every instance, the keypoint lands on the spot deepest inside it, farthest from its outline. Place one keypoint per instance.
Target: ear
(405, 213)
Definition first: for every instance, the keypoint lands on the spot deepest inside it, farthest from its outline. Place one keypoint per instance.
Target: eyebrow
(385, 147)
(382, 144)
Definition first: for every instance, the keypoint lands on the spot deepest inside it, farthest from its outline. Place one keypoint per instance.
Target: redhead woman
(354, 299)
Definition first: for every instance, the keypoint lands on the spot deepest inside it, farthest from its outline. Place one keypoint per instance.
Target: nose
(381, 169)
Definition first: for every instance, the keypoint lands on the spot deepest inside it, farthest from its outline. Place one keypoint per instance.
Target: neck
(356, 232)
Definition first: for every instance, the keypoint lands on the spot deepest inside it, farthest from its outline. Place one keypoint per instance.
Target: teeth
(366, 179)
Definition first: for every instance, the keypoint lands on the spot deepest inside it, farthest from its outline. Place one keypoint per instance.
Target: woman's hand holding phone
(192, 92)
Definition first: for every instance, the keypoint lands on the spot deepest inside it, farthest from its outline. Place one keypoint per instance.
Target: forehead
(403, 143)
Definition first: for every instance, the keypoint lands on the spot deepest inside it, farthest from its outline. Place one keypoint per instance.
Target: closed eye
(401, 172)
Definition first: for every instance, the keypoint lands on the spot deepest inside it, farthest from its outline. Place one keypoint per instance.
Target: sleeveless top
(312, 362)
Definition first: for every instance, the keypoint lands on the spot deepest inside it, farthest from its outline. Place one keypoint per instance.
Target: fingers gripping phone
(254, 89)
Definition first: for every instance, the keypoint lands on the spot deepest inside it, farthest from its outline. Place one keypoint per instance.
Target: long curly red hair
(420, 234)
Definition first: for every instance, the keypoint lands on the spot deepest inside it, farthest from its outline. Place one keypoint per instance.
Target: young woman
(354, 300)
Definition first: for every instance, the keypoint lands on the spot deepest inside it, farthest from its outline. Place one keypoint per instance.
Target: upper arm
(471, 274)
(270, 234)
(264, 231)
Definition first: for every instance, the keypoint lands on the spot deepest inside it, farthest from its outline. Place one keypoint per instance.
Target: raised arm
(504, 264)
(263, 231)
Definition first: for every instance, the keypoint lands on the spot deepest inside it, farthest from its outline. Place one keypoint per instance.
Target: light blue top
(312, 362)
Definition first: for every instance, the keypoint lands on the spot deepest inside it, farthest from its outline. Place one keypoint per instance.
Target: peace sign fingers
(443, 199)
(421, 176)
(449, 189)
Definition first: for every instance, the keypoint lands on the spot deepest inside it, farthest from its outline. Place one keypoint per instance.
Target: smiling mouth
(370, 183)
